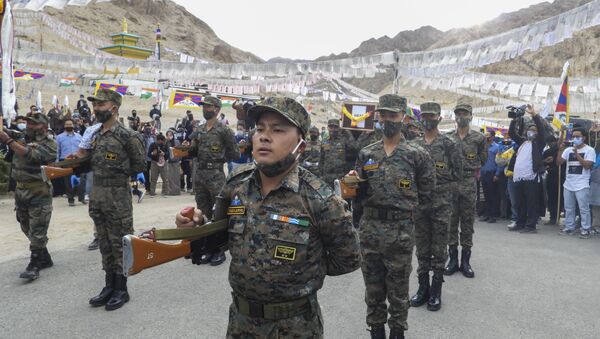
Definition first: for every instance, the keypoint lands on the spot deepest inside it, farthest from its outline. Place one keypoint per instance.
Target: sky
(311, 28)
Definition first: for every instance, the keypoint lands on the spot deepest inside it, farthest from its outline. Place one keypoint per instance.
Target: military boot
(396, 333)
(45, 259)
(377, 331)
(102, 298)
(32, 271)
(452, 265)
(435, 293)
(465, 266)
(423, 292)
(119, 296)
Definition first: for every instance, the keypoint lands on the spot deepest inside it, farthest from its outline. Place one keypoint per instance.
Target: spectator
(149, 139)
(159, 155)
(156, 114)
(490, 174)
(595, 194)
(241, 108)
(174, 166)
(242, 139)
(579, 158)
(57, 119)
(552, 177)
(222, 119)
(527, 166)
(81, 102)
(134, 120)
(68, 143)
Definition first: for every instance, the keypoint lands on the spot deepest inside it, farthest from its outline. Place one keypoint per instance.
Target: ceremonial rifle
(66, 167)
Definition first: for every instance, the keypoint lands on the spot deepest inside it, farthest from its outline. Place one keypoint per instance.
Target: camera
(516, 112)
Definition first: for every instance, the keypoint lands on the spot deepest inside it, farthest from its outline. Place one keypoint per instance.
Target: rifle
(179, 151)
(145, 251)
(66, 167)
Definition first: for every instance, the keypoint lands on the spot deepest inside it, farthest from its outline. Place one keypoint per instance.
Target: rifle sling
(191, 233)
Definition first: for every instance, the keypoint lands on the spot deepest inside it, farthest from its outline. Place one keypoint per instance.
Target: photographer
(527, 166)
(241, 108)
(134, 121)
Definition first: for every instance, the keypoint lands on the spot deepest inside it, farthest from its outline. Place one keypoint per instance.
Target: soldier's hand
(183, 220)
(185, 143)
(4, 138)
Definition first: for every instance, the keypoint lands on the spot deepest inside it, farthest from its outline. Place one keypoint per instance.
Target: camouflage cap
(431, 107)
(314, 129)
(392, 102)
(105, 94)
(288, 107)
(464, 103)
(212, 100)
(38, 118)
(333, 122)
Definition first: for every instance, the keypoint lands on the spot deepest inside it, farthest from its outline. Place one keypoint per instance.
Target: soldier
(33, 196)
(474, 152)
(432, 222)
(399, 180)
(367, 138)
(337, 153)
(312, 153)
(287, 230)
(213, 146)
(116, 154)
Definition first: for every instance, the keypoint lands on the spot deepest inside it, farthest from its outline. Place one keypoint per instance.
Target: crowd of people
(414, 186)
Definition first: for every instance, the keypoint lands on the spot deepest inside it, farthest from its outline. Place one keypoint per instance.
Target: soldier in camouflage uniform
(312, 154)
(116, 154)
(287, 231)
(213, 146)
(337, 153)
(33, 196)
(370, 137)
(432, 222)
(474, 152)
(400, 179)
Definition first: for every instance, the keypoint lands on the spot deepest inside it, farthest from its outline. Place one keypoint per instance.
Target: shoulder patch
(316, 184)
(245, 168)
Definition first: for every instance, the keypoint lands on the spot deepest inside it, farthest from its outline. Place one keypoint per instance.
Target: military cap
(333, 122)
(392, 103)
(464, 104)
(287, 107)
(105, 94)
(314, 129)
(212, 100)
(38, 118)
(431, 107)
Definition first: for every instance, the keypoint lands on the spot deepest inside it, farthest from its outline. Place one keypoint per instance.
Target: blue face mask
(378, 125)
(577, 141)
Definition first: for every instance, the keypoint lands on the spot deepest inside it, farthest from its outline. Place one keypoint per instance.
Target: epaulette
(315, 183)
(239, 170)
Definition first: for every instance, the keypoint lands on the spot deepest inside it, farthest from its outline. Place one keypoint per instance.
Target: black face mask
(463, 121)
(208, 115)
(134, 114)
(278, 167)
(314, 137)
(391, 128)
(34, 134)
(69, 129)
(334, 133)
(103, 116)
(429, 125)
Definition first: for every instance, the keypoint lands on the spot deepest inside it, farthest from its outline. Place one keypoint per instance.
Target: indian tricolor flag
(561, 113)
(227, 100)
(148, 93)
(67, 82)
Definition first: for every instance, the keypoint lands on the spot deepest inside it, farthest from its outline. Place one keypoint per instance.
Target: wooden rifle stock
(179, 152)
(51, 173)
(65, 168)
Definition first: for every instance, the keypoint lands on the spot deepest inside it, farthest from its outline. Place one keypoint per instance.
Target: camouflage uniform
(311, 156)
(336, 155)
(283, 245)
(367, 138)
(212, 148)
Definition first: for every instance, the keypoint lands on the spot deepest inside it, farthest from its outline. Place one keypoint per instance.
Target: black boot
(102, 298)
(396, 333)
(377, 331)
(46, 259)
(119, 296)
(435, 293)
(32, 271)
(465, 266)
(452, 265)
(423, 292)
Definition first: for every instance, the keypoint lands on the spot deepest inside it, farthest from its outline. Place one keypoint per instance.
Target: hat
(38, 118)
(211, 100)
(288, 107)
(392, 103)
(464, 104)
(105, 94)
(333, 122)
(314, 129)
(431, 107)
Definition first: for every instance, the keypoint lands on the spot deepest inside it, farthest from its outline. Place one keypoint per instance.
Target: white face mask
(21, 126)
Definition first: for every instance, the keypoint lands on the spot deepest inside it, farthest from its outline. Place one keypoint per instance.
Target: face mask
(378, 125)
(275, 169)
(69, 129)
(314, 137)
(391, 128)
(334, 134)
(146, 131)
(51, 136)
(463, 121)
(429, 125)
(239, 133)
(577, 141)
(410, 135)
(134, 114)
(208, 115)
(531, 135)
(21, 126)
(103, 116)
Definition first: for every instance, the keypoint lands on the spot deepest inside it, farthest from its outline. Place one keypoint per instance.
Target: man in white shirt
(580, 158)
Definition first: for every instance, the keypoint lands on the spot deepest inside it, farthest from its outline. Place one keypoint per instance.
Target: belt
(271, 311)
(210, 165)
(111, 182)
(386, 214)
(30, 185)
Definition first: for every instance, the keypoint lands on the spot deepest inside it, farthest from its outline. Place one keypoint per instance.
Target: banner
(121, 89)
(497, 130)
(358, 116)
(181, 98)
(148, 93)
(561, 113)
(67, 82)
(227, 100)
(22, 75)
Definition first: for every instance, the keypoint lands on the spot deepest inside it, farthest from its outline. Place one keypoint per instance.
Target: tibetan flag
(148, 93)
(67, 82)
(561, 113)
(414, 113)
(22, 75)
(121, 89)
(181, 98)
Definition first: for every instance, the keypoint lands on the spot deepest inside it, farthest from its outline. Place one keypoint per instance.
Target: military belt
(210, 165)
(271, 311)
(386, 214)
(30, 185)
(111, 182)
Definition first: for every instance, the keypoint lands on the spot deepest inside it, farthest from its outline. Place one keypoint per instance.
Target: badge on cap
(236, 207)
